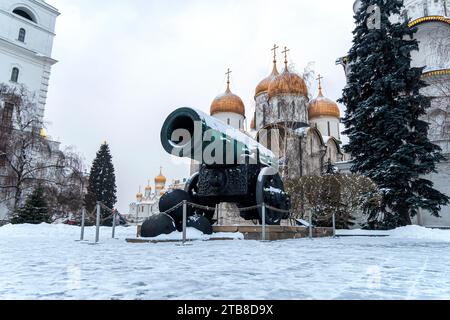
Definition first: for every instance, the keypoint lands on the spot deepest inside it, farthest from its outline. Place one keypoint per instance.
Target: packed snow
(45, 262)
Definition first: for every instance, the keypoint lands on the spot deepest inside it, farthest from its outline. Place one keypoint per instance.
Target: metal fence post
(217, 214)
(114, 224)
(97, 223)
(310, 225)
(263, 222)
(334, 225)
(184, 220)
(83, 217)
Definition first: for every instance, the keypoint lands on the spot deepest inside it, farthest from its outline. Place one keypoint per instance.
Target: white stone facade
(232, 119)
(27, 30)
(328, 126)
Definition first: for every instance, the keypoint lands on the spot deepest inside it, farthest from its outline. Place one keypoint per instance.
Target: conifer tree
(385, 110)
(35, 210)
(102, 182)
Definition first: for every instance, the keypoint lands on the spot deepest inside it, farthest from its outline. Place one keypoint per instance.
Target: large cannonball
(200, 223)
(157, 225)
(170, 200)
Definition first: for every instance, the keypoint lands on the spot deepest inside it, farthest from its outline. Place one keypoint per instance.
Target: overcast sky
(124, 65)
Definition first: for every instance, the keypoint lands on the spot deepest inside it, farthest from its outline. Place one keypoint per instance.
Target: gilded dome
(148, 188)
(43, 133)
(139, 196)
(160, 179)
(227, 102)
(288, 83)
(323, 107)
(263, 86)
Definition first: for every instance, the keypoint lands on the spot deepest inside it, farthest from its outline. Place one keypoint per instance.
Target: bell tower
(27, 29)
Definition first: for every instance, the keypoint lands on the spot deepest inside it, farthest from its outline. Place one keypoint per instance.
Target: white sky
(125, 65)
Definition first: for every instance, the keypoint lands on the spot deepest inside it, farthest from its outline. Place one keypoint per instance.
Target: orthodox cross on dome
(320, 84)
(228, 78)
(274, 49)
(286, 50)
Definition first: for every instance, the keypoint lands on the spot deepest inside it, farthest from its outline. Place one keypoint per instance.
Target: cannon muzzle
(193, 134)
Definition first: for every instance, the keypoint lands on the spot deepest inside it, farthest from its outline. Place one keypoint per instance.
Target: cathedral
(304, 134)
(147, 203)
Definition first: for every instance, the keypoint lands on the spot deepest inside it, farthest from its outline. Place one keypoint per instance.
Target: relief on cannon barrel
(234, 168)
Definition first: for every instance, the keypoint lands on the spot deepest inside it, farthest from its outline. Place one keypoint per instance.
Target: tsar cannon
(233, 168)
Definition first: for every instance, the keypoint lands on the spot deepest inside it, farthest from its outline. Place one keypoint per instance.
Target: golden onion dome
(43, 133)
(288, 83)
(323, 107)
(148, 188)
(228, 102)
(263, 86)
(160, 179)
(139, 196)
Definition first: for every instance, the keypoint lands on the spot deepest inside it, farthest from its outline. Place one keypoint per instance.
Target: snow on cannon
(234, 168)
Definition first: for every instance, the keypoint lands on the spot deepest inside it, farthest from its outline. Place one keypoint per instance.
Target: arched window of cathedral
(425, 8)
(15, 75)
(338, 131)
(22, 34)
(240, 124)
(329, 129)
(7, 116)
(25, 13)
(228, 121)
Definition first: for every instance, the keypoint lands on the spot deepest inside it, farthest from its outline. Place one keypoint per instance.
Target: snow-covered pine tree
(384, 120)
(35, 210)
(102, 182)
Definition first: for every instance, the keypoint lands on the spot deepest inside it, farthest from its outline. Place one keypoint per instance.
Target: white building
(147, 204)
(432, 19)
(27, 29)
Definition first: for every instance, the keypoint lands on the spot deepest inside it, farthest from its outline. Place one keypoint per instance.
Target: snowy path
(45, 262)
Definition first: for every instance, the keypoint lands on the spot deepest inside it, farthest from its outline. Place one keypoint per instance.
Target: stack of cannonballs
(173, 221)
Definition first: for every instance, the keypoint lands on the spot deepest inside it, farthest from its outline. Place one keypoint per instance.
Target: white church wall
(286, 107)
(323, 123)
(434, 46)
(33, 56)
(441, 182)
(420, 8)
(261, 104)
(39, 35)
(232, 119)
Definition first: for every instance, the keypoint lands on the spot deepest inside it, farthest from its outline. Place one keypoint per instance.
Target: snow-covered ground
(45, 262)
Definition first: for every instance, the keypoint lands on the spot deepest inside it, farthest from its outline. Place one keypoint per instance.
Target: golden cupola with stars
(229, 108)
(287, 82)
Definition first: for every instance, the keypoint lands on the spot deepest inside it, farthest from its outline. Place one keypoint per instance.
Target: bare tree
(27, 157)
(345, 195)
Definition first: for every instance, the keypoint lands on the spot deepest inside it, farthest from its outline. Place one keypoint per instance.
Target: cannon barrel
(193, 134)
